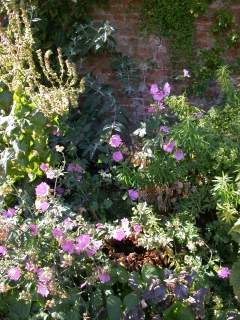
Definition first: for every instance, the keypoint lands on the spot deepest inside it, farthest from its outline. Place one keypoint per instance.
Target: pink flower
(159, 96)
(42, 189)
(14, 273)
(104, 277)
(68, 224)
(164, 129)
(117, 156)
(167, 89)
(224, 273)
(186, 73)
(178, 155)
(119, 234)
(57, 233)
(151, 110)
(137, 228)
(3, 250)
(31, 267)
(34, 229)
(169, 146)
(99, 226)
(44, 276)
(83, 242)
(41, 205)
(42, 289)
(154, 89)
(68, 246)
(133, 194)
(96, 245)
(50, 174)
(44, 166)
(125, 226)
(9, 213)
(115, 141)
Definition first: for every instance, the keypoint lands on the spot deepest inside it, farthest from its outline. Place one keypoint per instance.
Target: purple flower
(9, 213)
(74, 167)
(104, 277)
(224, 273)
(186, 73)
(119, 234)
(34, 229)
(115, 141)
(60, 190)
(83, 242)
(68, 224)
(164, 129)
(68, 246)
(42, 189)
(137, 228)
(167, 89)
(181, 291)
(41, 205)
(154, 88)
(169, 146)
(117, 156)
(96, 245)
(14, 273)
(44, 166)
(57, 233)
(3, 250)
(178, 155)
(42, 289)
(133, 194)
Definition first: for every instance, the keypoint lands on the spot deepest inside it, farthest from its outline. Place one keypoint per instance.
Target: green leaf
(149, 272)
(114, 307)
(178, 311)
(130, 301)
(19, 310)
(235, 279)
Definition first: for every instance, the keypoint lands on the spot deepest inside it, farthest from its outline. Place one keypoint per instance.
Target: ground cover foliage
(99, 221)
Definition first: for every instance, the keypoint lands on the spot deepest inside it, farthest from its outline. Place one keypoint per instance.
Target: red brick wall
(124, 16)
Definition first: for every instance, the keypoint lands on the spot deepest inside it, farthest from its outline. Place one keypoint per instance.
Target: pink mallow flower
(169, 146)
(50, 174)
(83, 242)
(133, 194)
(115, 141)
(31, 267)
(94, 247)
(117, 156)
(154, 88)
(137, 228)
(68, 246)
(14, 273)
(44, 166)
(44, 275)
(119, 234)
(42, 290)
(104, 277)
(9, 213)
(41, 205)
(166, 89)
(33, 229)
(224, 273)
(68, 224)
(42, 189)
(178, 155)
(57, 233)
(3, 250)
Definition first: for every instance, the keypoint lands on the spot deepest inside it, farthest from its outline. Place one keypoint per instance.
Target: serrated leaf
(130, 301)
